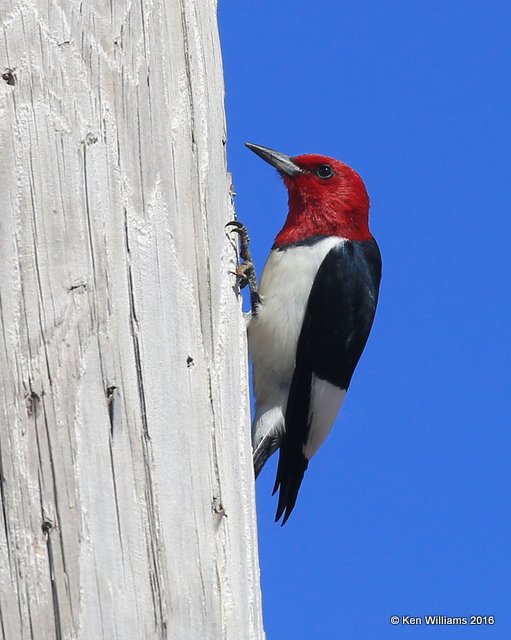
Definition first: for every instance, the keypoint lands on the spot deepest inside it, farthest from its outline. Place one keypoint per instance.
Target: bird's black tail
(292, 466)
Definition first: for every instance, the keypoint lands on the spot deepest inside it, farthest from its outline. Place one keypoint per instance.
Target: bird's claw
(243, 272)
(242, 231)
(246, 270)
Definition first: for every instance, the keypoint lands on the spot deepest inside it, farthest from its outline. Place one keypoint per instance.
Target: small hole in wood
(9, 77)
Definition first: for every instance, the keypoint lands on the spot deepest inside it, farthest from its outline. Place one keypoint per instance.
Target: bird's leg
(246, 270)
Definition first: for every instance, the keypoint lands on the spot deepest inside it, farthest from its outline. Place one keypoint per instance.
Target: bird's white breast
(273, 334)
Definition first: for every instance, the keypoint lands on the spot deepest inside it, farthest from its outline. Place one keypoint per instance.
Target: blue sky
(405, 509)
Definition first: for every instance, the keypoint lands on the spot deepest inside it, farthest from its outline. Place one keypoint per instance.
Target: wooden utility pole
(126, 488)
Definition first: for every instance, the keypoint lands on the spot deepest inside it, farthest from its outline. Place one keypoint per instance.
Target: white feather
(326, 400)
(269, 421)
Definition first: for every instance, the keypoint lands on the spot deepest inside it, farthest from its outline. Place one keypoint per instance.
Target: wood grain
(126, 482)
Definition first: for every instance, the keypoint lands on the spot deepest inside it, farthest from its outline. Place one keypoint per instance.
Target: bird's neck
(306, 220)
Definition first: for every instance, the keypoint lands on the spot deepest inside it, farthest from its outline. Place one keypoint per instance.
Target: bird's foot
(246, 270)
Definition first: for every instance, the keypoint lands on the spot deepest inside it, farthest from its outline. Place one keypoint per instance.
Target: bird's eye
(324, 171)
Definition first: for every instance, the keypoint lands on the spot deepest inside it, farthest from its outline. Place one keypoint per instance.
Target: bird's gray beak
(280, 161)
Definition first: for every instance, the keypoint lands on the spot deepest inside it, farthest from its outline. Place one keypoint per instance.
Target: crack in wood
(32, 402)
(135, 332)
(79, 286)
(3, 498)
(116, 494)
(153, 539)
(110, 404)
(54, 588)
(217, 507)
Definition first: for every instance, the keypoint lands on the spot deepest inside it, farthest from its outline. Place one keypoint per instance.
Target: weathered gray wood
(126, 484)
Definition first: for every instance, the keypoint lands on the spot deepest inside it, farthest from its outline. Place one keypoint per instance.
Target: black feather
(292, 462)
(290, 472)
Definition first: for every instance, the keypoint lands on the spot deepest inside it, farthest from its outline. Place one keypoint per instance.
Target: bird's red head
(326, 197)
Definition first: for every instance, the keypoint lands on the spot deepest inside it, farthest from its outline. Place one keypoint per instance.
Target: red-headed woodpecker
(312, 314)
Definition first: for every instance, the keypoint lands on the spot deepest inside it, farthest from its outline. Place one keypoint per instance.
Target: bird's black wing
(337, 322)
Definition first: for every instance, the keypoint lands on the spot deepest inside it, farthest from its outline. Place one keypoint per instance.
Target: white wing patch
(326, 401)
